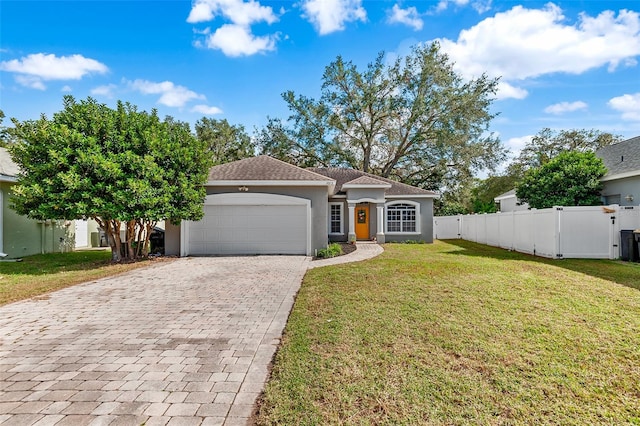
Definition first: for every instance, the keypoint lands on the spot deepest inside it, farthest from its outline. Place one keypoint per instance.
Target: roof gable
(366, 182)
(262, 168)
(343, 176)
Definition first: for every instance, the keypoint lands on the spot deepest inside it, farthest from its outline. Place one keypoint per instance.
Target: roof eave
(366, 186)
(413, 196)
(621, 176)
(5, 178)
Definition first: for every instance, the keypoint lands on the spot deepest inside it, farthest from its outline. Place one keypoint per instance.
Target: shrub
(333, 250)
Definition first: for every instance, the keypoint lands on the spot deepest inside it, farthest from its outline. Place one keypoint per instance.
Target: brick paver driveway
(187, 342)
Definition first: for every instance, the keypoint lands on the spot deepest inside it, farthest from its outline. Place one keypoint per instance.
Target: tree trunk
(112, 232)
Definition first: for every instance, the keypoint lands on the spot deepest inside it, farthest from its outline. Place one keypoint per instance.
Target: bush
(333, 250)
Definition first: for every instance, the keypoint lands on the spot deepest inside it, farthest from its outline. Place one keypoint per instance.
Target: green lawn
(460, 333)
(40, 274)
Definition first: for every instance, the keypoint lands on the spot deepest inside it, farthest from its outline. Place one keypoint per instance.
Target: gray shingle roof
(7, 166)
(622, 157)
(342, 176)
(263, 167)
(510, 193)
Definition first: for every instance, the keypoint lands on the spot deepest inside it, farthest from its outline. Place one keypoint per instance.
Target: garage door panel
(250, 229)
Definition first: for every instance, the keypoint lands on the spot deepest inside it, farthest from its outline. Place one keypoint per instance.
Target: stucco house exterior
(261, 205)
(21, 236)
(622, 181)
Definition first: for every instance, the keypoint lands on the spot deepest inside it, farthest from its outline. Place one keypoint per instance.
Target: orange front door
(362, 222)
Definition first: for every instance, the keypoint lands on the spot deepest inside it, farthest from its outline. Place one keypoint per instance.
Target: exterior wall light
(629, 198)
(243, 188)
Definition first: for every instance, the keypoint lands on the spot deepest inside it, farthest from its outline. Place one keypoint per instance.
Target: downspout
(42, 237)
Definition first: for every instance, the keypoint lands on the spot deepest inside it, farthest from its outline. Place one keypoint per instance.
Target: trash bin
(636, 245)
(628, 245)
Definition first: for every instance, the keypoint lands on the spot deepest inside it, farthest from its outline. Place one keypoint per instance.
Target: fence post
(557, 237)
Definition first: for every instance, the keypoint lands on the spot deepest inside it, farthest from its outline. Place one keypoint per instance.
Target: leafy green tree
(484, 191)
(225, 142)
(569, 179)
(123, 168)
(415, 120)
(547, 144)
(6, 139)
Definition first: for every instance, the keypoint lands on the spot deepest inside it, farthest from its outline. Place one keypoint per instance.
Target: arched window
(403, 218)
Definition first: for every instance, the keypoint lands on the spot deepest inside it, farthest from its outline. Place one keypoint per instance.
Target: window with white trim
(403, 218)
(335, 219)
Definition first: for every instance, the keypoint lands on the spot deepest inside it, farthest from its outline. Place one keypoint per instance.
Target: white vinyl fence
(558, 232)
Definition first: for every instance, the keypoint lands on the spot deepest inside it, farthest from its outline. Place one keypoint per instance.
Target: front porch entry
(361, 220)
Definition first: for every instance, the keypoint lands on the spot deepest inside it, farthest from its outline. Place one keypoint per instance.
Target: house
(509, 202)
(261, 205)
(622, 181)
(21, 236)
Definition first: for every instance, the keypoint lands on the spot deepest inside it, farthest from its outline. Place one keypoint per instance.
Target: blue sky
(563, 64)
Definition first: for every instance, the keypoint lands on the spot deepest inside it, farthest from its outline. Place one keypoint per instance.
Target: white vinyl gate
(559, 232)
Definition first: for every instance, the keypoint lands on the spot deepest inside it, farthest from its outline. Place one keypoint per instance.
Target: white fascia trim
(366, 200)
(404, 197)
(341, 196)
(4, 178)
(621, 176)
(366, 186)
(506, 197)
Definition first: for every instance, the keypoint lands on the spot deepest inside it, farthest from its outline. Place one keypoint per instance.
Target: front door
(362, 222)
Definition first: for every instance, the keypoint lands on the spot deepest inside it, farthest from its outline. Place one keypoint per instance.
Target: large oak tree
(415, 120)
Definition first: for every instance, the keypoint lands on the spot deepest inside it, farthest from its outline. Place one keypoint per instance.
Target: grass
(40, 274)
(460, 333)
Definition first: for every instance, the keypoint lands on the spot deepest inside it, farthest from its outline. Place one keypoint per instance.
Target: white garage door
(251, 224)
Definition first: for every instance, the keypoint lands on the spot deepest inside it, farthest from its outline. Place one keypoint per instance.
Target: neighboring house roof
(621, 159)
(8, 169)
(344, 176)
(265, 170)
(506, 195)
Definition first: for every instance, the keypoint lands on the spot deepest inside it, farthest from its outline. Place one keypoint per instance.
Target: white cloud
(170, 94)
(444, 4)
(33, 69)
(237, 11)
(629, 105)
(206, 109)
(66, 88)
(236, 40)
(106, 90)
(515, 145)
(328, 16)
(526, 43)
(562, 107)
(408, 16)
(30, 81)
(507, 91)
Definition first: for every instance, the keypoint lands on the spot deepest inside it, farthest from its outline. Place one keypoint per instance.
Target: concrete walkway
(185, 343)
(364, 250)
